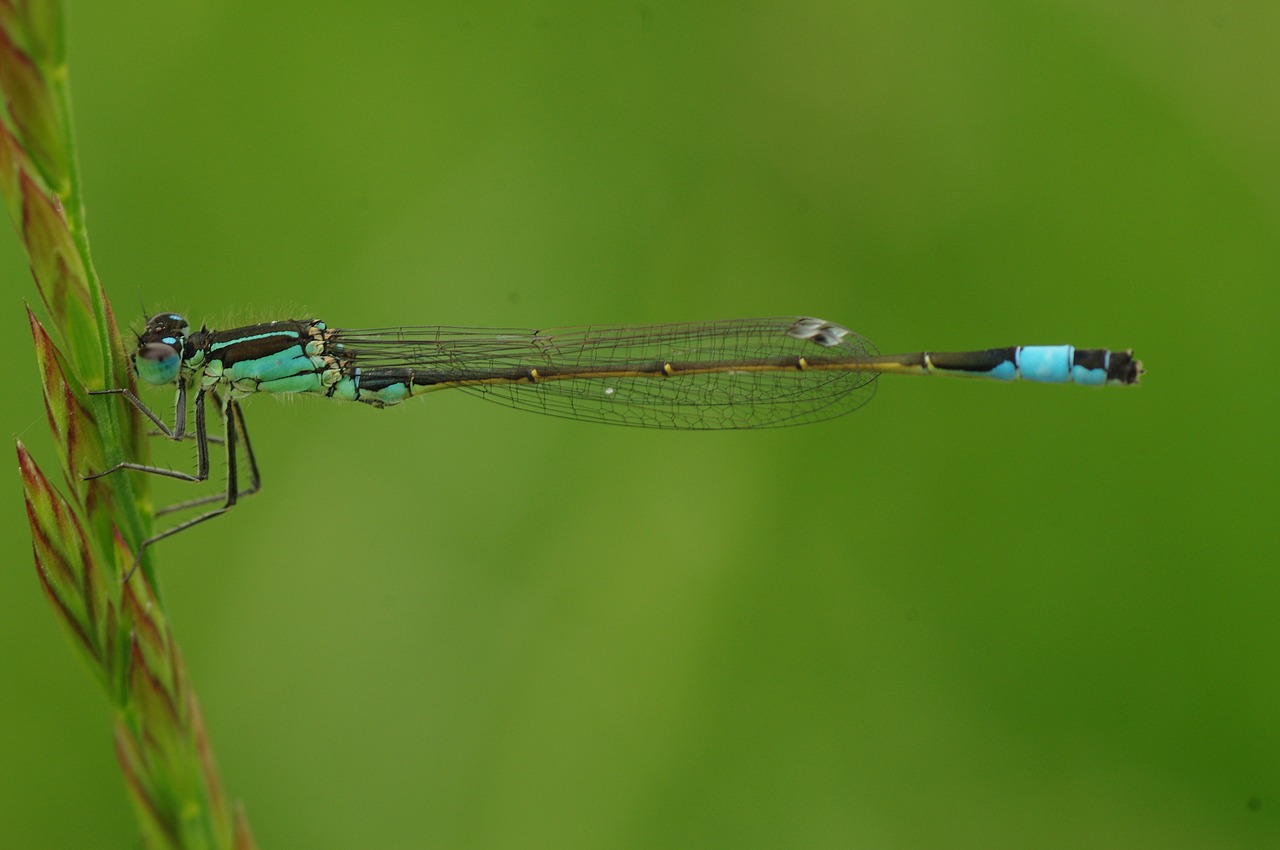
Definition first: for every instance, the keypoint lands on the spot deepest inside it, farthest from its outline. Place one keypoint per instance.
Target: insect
(737, 373)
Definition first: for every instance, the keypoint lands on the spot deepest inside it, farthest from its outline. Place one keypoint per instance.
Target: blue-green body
(742, 373)
(769, 371)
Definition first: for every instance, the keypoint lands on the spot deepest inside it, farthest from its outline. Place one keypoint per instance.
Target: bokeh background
(971, 615)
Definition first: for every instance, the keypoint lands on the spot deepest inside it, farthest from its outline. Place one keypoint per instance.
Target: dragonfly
(732, 374)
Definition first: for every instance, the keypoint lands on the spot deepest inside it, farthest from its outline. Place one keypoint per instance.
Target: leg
(179, 410)
(233, 421)
(179, 415)
(178, 432)
(213, 441)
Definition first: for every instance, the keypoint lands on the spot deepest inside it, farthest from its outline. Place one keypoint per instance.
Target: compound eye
(158, 362)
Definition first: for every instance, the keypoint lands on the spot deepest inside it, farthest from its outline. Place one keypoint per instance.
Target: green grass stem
(84, 535)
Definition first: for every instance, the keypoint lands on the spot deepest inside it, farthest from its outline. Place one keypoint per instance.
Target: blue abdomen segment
(1050, 364)
(379, 387)
(389, 385)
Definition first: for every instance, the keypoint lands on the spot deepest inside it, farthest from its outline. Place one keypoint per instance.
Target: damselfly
(740, 373)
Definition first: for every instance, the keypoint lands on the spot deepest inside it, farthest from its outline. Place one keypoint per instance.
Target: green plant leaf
(61, 278)
(35, 115)
(79, 545)
(70, 571)
(71, 420)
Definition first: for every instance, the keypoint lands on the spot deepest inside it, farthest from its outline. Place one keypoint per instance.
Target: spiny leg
(179, 415)
(232, 411)
(213, 440)
(178, 432)
(179, 411)
(233, 425)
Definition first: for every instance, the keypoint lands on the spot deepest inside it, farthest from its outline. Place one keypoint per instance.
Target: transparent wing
(740, 373)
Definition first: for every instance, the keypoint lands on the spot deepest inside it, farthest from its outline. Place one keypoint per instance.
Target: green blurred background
(973, 615)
